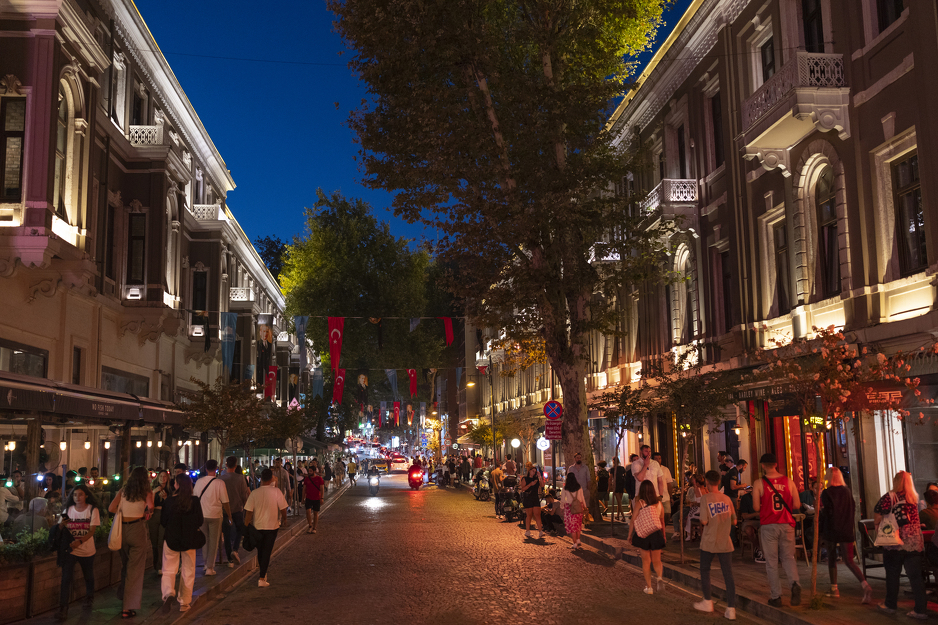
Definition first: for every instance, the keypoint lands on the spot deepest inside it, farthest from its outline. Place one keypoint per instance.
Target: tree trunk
(575, 424)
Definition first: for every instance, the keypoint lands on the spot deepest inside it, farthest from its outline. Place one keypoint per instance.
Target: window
(813, 26)
(888, 12)
(727, 284)
(681, 153)
(767, 54)
(687, 332)
(828, 244)
(138, 112)
(12, 133)
(910, 218)
(23, 359)
(136, 248)
(76, 365)
(200, 290)
(61, 154)
(782, 278)
(668, 299)
(123, 382)
(716, 115)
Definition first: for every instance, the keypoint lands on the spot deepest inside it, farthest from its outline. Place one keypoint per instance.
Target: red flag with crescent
(397, 413)
(270, 384)
(448, 327)
(336, 328)
(339, 386)
(412, 374)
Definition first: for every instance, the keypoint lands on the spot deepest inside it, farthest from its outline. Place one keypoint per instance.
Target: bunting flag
(228, 322)
(317, 382)
(414, 322)
(484, 370)
(423, 413)
(448, 327)
(409, 411)
(339, 386)
(397, 414)
(412, 374)
(336, 328)
(361, 391)
(458, 376)
(392, 380)
(300, 324)
(270, 387)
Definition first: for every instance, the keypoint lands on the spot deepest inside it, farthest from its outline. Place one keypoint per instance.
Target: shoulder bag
(116, 536)
(648, 521)
(887, 534)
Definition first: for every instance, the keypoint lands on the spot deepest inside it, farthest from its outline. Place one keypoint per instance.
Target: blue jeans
(893, 561)
(726, 565)
(233, 533)
(68, 572)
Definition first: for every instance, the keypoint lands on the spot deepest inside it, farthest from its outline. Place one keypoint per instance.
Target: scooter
(373, 482)
(482, 491)
(510, 504)
(415, 479)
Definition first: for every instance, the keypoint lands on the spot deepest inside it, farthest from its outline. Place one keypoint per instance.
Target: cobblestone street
(439, 556)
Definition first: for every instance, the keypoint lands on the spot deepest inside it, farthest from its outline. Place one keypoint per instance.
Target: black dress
(530, 498)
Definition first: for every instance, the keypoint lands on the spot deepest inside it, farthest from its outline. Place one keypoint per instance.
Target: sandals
(128, 613)
(310, 530)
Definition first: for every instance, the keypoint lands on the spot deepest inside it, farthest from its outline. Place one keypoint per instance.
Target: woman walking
(135, 502)
(646, 531)
(161, 492)
(327, 475)
(902, 501)
(81, 519)
(181, 519)
(531, 486)
(574, 505)
(838, 510)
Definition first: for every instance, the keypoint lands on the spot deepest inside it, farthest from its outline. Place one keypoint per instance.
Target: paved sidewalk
(752, 587)
(107, 607)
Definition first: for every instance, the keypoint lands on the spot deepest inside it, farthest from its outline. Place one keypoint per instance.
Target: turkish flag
(338, 386)
(397, 413)
(336, 328)
(448, 327)
(412, 374)
(483, 370)
(270, 385)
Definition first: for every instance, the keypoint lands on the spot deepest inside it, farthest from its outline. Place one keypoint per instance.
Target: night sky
(269, 103)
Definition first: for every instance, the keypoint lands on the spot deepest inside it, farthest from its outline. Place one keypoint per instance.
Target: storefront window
(123, 382)
(23, 359)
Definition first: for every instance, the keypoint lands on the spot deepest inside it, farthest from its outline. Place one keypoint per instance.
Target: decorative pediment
(150, 327)
(136, 206)
(201, 357)
(12, 85)
(114, 198)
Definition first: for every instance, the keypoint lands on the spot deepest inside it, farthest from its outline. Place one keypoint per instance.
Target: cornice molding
(76, 31)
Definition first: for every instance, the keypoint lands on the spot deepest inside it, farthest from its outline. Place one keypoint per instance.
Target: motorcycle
(373, 483)
(415, 479)
(482, 491)
(510, 501)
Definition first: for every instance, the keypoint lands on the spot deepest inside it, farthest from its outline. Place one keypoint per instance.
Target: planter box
(33, 588)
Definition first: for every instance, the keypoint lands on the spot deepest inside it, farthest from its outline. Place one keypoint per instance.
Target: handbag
(887, 535)
(249, 542)
(199, 540)
(647, 521)
(116, 536)
(576, 506)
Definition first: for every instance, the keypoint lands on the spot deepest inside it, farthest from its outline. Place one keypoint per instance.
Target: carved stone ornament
(12, 85)
(174, 225)
(8, 266)
(81, 127)
(187, 159)
(136, 206)
(45, 287)
(72, 70)
(149, 329)
(120, 61)
(174, 136)
(159, 117)
(114, 198)
(173, 187)
(185, 262)
(200, 267)
(201, 357)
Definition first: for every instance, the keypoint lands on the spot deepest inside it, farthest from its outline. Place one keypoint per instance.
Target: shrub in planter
(26, 547)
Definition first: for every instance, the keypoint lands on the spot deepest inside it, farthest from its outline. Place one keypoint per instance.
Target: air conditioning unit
(134, 293)
(197, 331)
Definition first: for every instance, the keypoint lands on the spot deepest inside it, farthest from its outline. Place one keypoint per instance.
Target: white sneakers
(649, 591)
(262, 582)
(527, 534)
(704, 605)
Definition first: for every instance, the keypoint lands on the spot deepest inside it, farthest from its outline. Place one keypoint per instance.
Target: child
(718, 517)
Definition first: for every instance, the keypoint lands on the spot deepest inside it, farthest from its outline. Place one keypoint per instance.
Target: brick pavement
(439, 556)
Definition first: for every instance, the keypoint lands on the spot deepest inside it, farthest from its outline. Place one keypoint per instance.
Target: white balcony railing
(671, 191)
(206, 212)
(241, 294)
(146, 135)
(807, 69)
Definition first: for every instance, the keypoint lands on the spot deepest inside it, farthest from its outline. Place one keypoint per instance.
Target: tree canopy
(271, 250)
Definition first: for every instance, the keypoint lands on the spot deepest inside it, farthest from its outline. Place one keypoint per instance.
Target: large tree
(271, 250)
(488, 120)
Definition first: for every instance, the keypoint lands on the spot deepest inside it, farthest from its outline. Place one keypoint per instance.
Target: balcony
(671, 192)
(808, 93)
(240, 298)
(143, 136)
(206, 212)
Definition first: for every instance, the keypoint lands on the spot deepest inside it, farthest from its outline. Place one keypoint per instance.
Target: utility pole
(492, 399)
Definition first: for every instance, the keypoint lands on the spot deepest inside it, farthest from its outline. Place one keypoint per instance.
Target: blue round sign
(553, 410)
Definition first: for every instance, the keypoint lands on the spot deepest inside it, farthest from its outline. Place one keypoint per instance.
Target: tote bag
(116, 536)
(648, 521)
(888, 533)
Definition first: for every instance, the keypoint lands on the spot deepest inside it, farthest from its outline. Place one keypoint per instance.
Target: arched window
(61, 154)
(828, 244)
(684, 300)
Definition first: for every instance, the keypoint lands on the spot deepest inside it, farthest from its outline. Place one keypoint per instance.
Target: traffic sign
(455, 445)
(553, 430)
(553, 410)
(543, 444)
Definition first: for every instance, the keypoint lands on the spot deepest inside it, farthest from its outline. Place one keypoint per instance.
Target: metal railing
(146, 135)
(671, 191)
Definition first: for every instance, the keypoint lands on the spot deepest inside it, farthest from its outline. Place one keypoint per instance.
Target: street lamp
(515, 443)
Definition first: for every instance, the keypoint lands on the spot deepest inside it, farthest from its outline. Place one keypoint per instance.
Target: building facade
(118, 250)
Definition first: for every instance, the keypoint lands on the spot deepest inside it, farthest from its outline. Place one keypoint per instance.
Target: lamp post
(492, 399)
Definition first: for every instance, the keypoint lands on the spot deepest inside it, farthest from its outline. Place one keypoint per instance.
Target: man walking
(315, 494)
(266, 509)
(213, 495)
(510, 468)
(283, 479)
(238, 493)
(718, 517)
(774, 497)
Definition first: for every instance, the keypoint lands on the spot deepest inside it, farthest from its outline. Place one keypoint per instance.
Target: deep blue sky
(275, 123)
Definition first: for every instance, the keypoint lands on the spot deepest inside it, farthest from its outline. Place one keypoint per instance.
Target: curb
(691, 579)
(203, 598)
